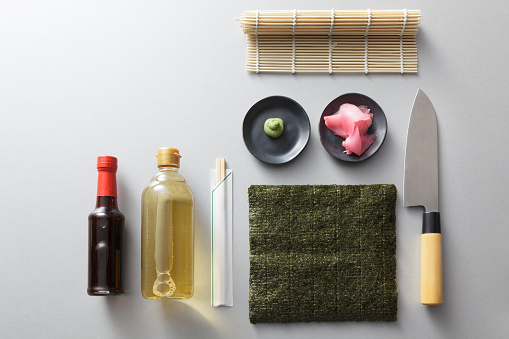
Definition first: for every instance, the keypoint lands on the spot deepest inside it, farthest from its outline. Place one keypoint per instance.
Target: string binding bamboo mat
(313, 41)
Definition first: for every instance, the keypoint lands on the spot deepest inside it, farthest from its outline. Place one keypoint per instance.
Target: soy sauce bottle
(106, 234)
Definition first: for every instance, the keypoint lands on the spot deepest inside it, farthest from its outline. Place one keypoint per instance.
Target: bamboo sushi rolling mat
(311, 41)
(322, 253)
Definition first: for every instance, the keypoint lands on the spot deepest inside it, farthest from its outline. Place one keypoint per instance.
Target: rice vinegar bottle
(167, 232)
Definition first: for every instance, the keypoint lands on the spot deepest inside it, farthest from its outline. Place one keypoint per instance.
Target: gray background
(85, 78)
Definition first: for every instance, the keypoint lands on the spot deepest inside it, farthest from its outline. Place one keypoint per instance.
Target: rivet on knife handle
(431, 260)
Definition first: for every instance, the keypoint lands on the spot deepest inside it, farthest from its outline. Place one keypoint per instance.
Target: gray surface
(85, 78)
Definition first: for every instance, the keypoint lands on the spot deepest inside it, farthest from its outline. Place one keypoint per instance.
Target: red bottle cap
(107, 181)
(107, 162)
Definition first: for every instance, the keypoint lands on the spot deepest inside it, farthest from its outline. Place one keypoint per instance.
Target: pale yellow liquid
(179, 236)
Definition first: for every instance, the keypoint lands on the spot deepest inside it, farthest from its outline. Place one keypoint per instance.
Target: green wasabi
(273, 127)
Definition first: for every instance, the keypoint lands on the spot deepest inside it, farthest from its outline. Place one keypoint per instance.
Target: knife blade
(420, 188)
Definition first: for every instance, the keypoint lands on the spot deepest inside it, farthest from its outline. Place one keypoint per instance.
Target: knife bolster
(431, 222)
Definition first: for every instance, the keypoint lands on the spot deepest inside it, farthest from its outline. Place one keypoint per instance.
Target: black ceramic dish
(295, 135)
(333, 143)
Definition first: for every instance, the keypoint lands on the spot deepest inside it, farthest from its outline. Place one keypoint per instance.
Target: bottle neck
(107, 183)
(106, 202)
(168, 168)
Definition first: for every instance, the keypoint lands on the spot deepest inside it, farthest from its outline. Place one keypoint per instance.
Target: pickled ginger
(351, 123)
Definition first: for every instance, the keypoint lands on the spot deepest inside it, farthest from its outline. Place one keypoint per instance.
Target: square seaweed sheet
(322, 253)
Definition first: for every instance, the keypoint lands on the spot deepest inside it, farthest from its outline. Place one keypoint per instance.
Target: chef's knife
(421, 189)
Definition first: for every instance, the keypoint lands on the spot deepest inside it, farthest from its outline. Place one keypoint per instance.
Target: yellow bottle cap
(168, 156)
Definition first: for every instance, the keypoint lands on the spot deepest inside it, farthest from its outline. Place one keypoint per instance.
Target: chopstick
(220, 169)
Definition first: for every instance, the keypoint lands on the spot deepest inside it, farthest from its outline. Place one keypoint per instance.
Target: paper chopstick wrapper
(222, 240)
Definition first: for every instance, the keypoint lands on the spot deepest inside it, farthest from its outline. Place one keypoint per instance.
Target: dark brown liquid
(105, 248)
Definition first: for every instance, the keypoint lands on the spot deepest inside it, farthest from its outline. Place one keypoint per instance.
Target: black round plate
(295, 135)
(333, 143)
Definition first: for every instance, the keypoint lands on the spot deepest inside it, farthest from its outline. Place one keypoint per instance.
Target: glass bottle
(167, 232)
(106, 234)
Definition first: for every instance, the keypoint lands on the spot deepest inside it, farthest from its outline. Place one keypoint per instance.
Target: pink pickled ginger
(352, 123)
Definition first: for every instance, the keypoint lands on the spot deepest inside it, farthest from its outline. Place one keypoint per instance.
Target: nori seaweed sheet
(322, 253)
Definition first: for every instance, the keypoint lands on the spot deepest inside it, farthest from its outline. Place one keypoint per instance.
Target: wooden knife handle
(431, 260)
